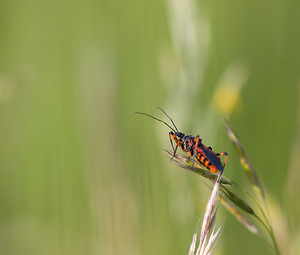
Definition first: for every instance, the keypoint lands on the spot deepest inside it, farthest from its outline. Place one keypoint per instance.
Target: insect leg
(170, 136)
(178, 142)
(174, 154)
(223, 154)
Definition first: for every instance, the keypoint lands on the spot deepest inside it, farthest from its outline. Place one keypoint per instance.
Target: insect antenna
(142, 113)
(169, 118)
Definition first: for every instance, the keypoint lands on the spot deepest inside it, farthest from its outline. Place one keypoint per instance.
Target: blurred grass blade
(250, 171)
(240, 217)
(237, 200)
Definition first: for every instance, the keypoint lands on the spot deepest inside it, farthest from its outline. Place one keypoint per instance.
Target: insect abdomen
(214, 160)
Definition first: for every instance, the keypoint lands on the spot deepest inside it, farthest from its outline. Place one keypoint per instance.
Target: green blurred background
(82, 174)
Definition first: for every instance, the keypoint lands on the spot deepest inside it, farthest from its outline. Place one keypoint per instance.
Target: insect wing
(213, 158)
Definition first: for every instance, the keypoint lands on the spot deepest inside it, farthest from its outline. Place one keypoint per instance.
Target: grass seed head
(208, 236)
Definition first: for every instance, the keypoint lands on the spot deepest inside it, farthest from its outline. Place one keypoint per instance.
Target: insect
(194, 146)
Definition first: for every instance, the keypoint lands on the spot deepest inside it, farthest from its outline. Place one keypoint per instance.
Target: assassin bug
(194, 146)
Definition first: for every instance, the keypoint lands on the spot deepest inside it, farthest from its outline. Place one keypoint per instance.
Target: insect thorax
(188, 142)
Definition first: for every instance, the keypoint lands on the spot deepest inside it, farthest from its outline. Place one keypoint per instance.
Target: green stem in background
(245, 162)
(270, 227)
(271, 233)
(256, 185)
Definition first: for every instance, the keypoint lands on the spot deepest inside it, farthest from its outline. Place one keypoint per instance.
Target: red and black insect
(194, 146)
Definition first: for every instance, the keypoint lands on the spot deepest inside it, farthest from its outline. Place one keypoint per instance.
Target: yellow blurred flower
(227, 97)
